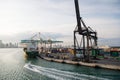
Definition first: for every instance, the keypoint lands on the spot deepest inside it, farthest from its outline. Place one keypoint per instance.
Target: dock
(80, 63)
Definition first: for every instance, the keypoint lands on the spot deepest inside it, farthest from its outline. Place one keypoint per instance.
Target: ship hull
(31, 54)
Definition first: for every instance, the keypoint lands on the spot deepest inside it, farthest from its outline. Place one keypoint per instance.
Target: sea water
(15, 66)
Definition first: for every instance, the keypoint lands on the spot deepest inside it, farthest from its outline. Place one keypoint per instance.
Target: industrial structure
(88, 37)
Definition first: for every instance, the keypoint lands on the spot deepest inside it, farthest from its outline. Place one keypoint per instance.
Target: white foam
(59, 74)
(34, 69)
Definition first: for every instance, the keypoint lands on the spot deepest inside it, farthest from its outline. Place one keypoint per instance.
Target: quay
(92, 64)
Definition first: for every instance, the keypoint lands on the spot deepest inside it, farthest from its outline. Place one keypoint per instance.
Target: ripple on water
(60, 75)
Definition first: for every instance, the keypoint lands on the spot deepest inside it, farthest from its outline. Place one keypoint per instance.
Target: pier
(95, 64)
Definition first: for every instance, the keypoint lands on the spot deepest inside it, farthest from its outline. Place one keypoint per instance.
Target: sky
(20, 19)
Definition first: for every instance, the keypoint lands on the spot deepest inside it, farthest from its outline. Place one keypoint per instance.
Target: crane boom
(78, 15)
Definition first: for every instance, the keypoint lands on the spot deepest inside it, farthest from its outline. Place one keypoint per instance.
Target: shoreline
(94, 65)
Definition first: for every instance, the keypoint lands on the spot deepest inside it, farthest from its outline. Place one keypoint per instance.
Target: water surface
(14, 66)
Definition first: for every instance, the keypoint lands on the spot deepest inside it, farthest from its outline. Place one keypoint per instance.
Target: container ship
(30, 48)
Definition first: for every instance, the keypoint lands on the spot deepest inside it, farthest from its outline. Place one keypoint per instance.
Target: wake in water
(60, 75)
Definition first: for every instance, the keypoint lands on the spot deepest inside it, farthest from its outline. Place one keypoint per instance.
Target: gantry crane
(88, 36)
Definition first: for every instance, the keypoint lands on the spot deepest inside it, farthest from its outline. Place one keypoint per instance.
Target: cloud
(109, 41)
(33, 35)
(99, 7)
(20, 19)
(106, 28)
